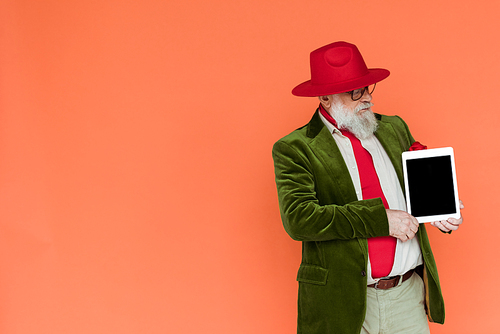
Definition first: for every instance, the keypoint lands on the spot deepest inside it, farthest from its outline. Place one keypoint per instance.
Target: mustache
(365, 105)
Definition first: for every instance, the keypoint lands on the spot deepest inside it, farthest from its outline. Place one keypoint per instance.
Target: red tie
(381, 250)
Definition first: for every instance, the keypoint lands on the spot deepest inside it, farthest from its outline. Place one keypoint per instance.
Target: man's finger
(451, 226)
(441, 226)
(455, 221)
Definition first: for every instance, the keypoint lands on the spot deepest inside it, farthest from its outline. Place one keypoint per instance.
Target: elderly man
(367, 266)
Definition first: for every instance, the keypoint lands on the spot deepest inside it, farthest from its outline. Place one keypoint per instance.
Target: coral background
(137, 187)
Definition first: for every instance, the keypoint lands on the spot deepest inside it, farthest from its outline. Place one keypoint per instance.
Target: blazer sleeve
(304, 216)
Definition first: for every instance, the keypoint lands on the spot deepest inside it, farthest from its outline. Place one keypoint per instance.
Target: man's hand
(402, 225)
(451, 224)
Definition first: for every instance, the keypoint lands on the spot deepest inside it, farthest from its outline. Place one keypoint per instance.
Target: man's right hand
(402, 225)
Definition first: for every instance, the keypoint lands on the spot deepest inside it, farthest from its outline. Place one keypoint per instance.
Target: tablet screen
(430, 182)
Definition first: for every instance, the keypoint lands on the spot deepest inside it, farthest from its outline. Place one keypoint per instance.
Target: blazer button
(363, 273)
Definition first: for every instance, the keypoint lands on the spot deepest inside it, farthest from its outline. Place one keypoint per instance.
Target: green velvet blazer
(319, 207)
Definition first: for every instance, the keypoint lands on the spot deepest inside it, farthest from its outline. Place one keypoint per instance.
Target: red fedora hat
(338, 68)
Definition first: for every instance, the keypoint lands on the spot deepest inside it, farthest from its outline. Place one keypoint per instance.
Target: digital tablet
(431, 184)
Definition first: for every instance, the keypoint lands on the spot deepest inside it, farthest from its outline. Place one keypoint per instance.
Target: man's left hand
(451, 224)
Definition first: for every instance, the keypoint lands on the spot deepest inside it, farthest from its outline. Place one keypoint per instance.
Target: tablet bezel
(435, 152)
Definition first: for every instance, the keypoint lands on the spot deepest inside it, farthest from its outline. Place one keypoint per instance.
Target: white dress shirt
(408, 254)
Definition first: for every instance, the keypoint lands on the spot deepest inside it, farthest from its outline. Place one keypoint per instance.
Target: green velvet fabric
(319, 207)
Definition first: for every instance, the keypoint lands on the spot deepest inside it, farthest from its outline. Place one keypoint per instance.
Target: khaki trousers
(397, 310)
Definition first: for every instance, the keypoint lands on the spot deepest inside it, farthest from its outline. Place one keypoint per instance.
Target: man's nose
(367, 97)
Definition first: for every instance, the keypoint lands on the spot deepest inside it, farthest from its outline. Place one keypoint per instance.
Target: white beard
(361, 125)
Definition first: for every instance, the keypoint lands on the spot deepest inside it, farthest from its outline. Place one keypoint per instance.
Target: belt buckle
(376, 284)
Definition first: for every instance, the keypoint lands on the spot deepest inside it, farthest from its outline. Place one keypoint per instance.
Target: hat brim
(307, 88)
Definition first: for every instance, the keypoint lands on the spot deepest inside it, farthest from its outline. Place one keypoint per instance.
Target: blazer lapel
(392, 146)
(325, 148)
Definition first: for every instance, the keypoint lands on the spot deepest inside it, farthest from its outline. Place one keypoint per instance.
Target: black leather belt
(388, 283)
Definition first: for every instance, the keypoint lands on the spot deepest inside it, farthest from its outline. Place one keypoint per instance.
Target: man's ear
(326, 101)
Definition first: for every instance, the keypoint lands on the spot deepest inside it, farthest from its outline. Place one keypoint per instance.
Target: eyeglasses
(358, 93)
